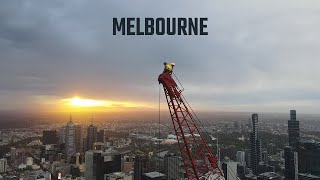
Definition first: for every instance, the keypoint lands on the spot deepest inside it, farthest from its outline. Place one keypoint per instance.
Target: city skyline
(130, 149)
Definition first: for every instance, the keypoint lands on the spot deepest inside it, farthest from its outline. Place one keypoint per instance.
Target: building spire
(70, 118)
(92, 118)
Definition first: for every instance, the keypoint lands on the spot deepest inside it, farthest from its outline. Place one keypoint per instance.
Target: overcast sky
(258, 56)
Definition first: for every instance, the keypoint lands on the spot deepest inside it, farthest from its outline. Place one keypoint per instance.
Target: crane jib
(198, 160)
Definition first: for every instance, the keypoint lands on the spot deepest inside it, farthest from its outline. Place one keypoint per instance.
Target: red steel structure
(199, 162)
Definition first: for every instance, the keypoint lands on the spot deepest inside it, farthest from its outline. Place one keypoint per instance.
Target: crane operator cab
(168, 67)
(167, 81)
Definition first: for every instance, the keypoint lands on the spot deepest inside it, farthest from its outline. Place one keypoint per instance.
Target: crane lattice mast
(198, 160)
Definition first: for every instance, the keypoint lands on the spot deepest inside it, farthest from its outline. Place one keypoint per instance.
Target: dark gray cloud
(258, 54)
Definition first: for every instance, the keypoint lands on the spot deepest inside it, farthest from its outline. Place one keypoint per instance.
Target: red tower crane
(199, 162)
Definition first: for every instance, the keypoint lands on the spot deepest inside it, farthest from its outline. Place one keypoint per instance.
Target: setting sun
(76, 101)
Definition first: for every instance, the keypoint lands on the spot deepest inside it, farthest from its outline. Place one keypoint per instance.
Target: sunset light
(87, 102)
(77, 102)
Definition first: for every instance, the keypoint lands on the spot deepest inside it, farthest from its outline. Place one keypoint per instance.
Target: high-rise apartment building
(290, 152)
(293, 130)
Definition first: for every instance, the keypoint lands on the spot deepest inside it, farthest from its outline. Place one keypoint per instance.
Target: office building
(91, 136)
(100, 136)
(229, 169)
(255, 145)
(98, 163)
(141, 166)
(291, 163)
(78, 138)
(241, 170)
(290, 152)
(108, 162)
(70, 145)
(241, 157)
(309, 157)
(88, 174)
(49, 137)
(172, 166)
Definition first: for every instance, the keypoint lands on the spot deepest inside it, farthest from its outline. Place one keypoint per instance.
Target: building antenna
(92, 118)
(70, 118)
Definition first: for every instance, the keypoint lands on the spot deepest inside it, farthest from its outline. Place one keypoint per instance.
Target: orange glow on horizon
(76, 101)
(84, 103)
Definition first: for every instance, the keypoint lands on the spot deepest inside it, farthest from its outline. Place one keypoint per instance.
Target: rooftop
(154, 174)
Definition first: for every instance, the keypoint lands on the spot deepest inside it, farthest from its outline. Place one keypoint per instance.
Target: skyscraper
(108, 162)
(100, 136)
(49, 137)
(291, 163)
(290, 152)
(99, 163)
(70, 139)
(78, 138)
(89, 165)
(91, 136)
(141, 166)
(255, 145)
(172, 166)
(309, 157)
(293, 130)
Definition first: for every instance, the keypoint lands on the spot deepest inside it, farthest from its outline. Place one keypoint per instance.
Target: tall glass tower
(70, 139)
(293, 130)
(255, 145)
